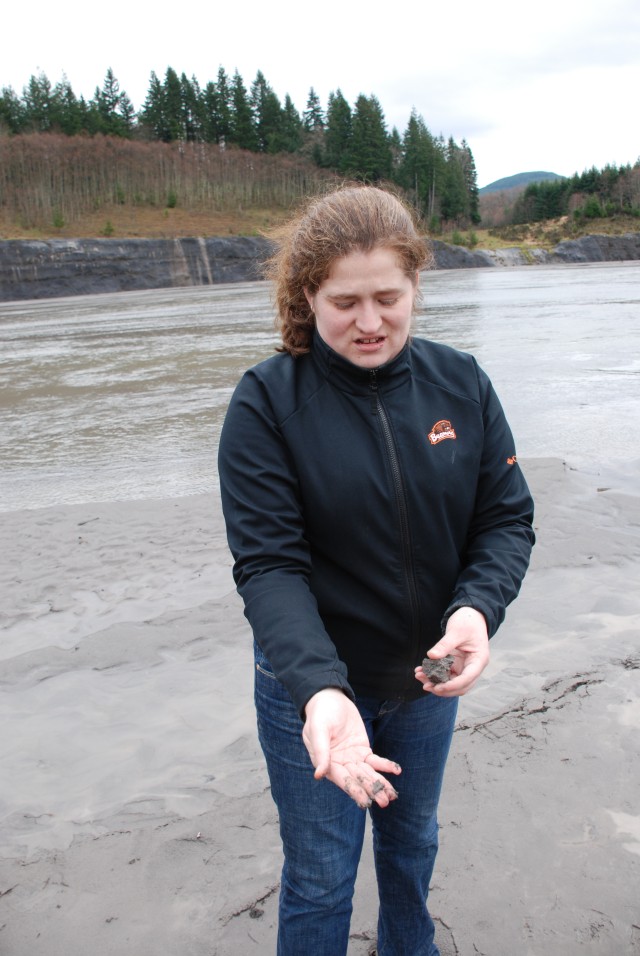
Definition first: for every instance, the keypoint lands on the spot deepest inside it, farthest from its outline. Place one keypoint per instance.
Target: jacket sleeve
(500, 536)
(265, 528)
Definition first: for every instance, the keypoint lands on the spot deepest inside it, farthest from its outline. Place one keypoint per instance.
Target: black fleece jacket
(364, 506)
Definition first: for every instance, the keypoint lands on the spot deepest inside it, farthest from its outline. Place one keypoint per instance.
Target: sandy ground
(135, 815)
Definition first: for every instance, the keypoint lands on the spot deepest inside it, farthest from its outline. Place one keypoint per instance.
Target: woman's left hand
(337, 742)
(467, 641)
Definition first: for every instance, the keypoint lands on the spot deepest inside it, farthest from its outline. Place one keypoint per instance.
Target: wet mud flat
(135, 813)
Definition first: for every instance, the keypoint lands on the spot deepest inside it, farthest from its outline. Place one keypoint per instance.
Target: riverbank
(50, 268)
(134, 805)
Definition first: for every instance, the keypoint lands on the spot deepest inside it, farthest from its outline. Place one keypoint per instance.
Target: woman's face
(364, 307)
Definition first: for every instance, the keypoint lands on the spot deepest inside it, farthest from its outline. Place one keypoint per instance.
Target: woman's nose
(368, 318)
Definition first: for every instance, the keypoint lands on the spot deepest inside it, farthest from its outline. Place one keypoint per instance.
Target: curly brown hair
(351, 218)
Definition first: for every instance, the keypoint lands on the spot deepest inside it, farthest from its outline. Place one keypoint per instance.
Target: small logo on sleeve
(441, 430)
(512, 459)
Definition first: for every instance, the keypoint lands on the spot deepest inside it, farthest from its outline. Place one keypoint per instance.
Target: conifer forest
(226, 145)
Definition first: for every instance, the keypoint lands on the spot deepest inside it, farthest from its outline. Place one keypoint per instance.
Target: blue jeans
(322, 829)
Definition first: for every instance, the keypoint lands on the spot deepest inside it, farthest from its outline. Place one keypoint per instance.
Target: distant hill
(519, 180)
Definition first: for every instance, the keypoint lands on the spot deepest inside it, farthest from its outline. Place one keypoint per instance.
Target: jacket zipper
(403, 512)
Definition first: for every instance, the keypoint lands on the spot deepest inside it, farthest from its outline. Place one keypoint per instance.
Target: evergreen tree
(370, 153)
(210, 123)
(338, 132)
(291, 128)
(152, 114)
(105, 110)
(271, 124)
(127, 114)
(609, 179)
(267, 115)
(257, 99)
(12, 111)
(162, 114)
(242, 131)
(36, 97)
(216, 110)
(588, 181)
(313, 130)
(192, 109)
(87, 118)
(107, 99)
(67, 114)
(455, 200)
(223, 90)
(437, 151)
(395, 144)
(415, 174)
(313, 117)
(471, 182)
(174, 127)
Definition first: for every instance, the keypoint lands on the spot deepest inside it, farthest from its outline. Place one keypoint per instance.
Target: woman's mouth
(370, 342)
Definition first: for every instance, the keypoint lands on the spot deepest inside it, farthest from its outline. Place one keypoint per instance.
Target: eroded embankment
(38, 269)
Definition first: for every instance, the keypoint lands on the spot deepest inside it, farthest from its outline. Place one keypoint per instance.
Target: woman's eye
(343, 306)
(388, 301)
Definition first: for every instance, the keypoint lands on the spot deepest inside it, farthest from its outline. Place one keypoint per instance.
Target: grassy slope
(120, 222)
(547, 235)
(148, 222)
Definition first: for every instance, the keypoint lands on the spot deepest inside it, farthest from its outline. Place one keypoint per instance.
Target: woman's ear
(308, 297)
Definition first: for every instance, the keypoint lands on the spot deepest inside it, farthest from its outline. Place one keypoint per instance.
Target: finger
(362, 783)
(376, 788)
(322, 770)
(351, 786)
(446, 645)
(382, 792)
(458, 686)
(428, 683)
(319, 751)
(382, 765)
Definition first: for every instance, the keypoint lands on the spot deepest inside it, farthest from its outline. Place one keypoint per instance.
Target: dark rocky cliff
(458, 257)
(58, 267)
(31, 269)
(599, 249)
(586, 249)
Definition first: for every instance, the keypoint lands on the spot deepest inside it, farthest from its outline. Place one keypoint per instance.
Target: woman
(376, 512)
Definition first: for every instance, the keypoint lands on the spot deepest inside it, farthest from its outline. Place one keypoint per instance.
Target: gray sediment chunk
(438, 672)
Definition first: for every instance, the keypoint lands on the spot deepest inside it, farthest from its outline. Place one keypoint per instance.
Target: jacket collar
(352, 378)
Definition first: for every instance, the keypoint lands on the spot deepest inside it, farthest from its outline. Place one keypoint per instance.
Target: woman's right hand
(337, 741)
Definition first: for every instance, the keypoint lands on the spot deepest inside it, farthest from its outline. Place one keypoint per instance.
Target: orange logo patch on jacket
(441, 430)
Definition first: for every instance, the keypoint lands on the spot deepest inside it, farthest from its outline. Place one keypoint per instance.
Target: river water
(122, 396)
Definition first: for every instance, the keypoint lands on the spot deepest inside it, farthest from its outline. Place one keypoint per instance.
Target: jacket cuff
(465, 601)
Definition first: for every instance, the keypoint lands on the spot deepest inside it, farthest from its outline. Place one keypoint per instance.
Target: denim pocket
(262, 664)
(266, 673)
(272, 699)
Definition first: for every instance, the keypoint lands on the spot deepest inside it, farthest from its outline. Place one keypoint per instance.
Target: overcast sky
(548, 86)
